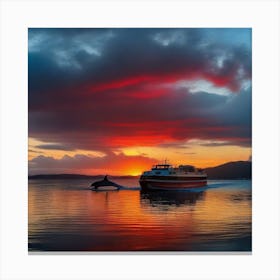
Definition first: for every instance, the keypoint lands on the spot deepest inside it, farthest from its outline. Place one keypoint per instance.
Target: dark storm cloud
(72, 57)
(175, 115)
(103, 88)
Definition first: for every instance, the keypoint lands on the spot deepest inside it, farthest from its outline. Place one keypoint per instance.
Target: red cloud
(123, 118)
(154, 79)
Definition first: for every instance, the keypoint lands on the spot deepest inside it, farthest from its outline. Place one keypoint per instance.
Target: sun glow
(135, 172)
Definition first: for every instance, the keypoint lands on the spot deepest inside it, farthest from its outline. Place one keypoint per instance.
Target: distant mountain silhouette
(231, 170)
(75, 176)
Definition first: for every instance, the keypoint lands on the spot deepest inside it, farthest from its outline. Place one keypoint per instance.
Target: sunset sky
(116, 101)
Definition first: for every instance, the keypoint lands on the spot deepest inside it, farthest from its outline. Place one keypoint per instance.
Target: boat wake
(212, 185)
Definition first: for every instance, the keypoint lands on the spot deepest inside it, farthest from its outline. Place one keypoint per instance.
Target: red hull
(165, 185)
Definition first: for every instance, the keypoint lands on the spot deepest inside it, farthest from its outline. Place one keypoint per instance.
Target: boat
(167, 177)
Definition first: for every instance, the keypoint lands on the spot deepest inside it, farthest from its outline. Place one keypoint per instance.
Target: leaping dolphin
(105, 183)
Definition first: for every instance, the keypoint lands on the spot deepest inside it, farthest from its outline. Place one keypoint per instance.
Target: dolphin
(104, 183)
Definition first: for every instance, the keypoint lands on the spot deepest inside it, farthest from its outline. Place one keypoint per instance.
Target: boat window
(161, 166)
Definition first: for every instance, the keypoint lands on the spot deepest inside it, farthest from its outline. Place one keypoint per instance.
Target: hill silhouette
(76, 176)
(231, 170)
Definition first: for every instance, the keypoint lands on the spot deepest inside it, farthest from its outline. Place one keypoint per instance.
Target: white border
(262, 16)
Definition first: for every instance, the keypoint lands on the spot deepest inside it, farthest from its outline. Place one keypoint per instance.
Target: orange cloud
(112, 164)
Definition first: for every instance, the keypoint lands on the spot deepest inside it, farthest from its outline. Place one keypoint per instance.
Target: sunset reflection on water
(64, 215)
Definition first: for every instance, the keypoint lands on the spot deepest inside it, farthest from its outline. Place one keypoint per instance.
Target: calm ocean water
(65, 215)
